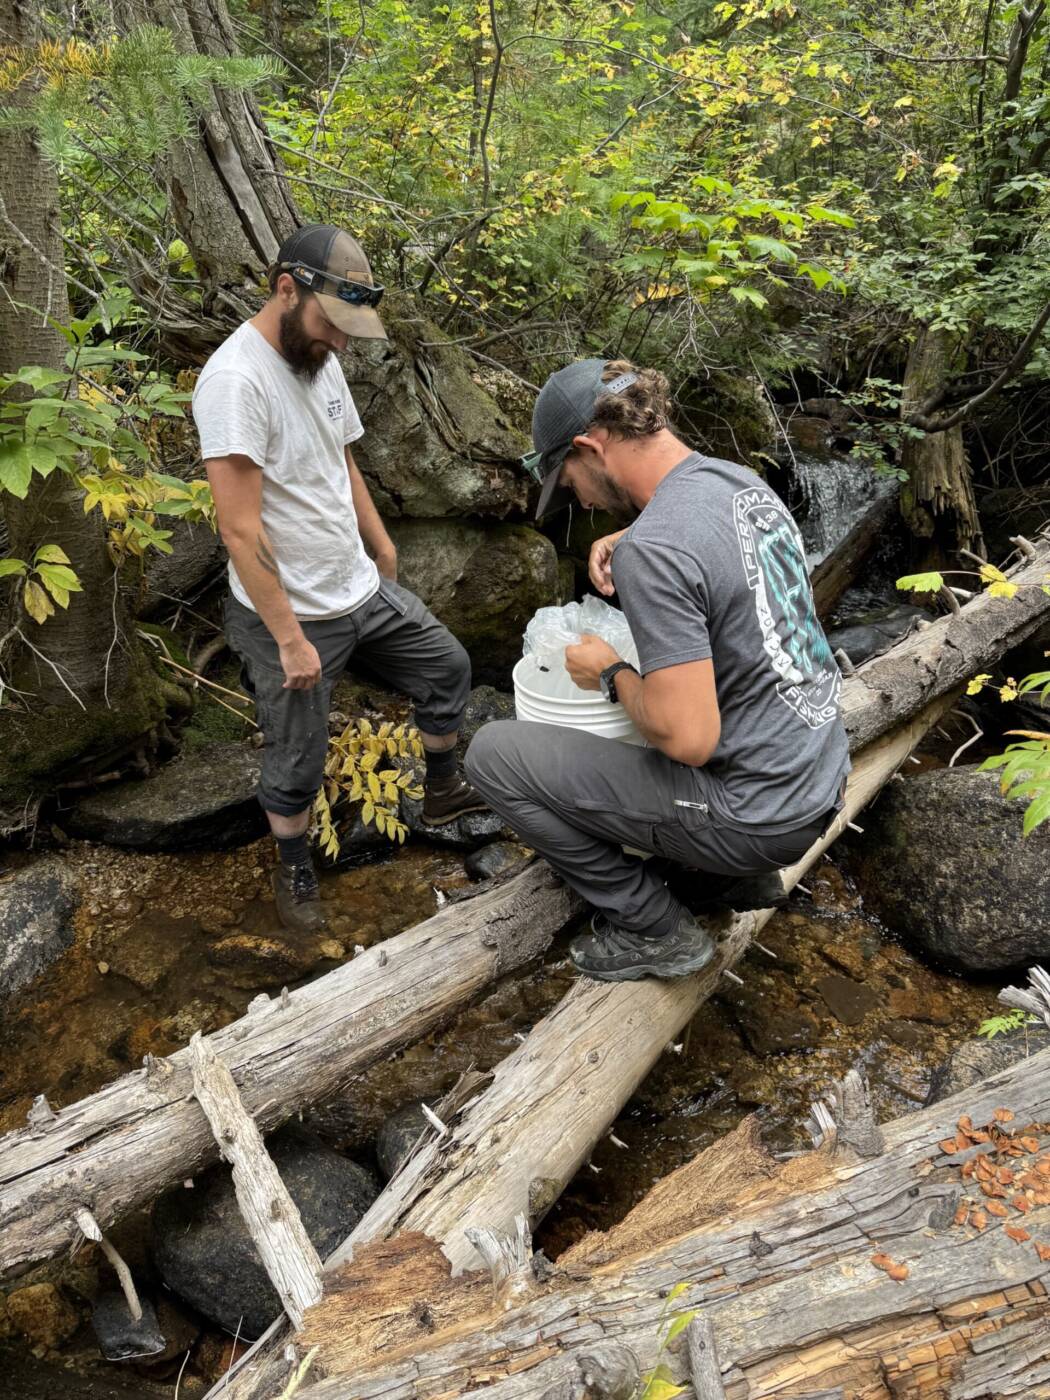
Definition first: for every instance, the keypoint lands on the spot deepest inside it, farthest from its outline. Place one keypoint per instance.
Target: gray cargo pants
(393, 634)
(578, 800)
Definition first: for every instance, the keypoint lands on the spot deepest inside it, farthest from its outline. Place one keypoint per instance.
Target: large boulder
(197, 560)
(436, 443)
(37, 905)
(943, 861)
(484, 584)
(202, 1248)
(974, 1061)
(872, 633)
(204, 800)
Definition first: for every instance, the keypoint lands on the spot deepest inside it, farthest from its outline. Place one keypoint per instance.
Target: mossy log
(888, 1277)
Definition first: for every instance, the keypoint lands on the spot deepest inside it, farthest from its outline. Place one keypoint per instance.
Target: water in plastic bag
(551, 630)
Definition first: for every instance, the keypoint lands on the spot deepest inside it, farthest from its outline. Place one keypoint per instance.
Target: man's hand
(599, 565)
(301, 663)
(386, 561)
(586, 661)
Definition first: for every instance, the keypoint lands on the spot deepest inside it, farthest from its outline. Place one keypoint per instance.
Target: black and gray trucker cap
(333, 264)
(564, 410)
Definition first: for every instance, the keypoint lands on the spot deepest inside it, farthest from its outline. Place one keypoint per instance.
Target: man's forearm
(260, 574)
(652, 721)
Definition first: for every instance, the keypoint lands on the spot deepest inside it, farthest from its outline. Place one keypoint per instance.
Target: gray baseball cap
(564, 410)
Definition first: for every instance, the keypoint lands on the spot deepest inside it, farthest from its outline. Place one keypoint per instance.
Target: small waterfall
(828, 493)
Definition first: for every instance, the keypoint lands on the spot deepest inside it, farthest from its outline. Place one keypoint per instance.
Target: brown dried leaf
(1004, 1176)
(997, 1208)
(1017, 1233)
(978, 1219)
(962, 1210)
(991, 1189)
(1030, 1180)
(897, 1272)
(1043, 1166)
(1043, 1250)
(967, 1169)
(985, 1172)
(947, 1145)
(964, 1124)
(1030, 1144)
(1003, 1115)
(980, 1136)
(1021, 1203)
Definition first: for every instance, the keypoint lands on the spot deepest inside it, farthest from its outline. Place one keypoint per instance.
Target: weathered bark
(937, 500)
(86, 688)
(833, 575)
(779, 1259)
(517, 1146)
(124, 1145)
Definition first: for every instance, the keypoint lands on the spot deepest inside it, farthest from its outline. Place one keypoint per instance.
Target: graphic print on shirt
(775, 564)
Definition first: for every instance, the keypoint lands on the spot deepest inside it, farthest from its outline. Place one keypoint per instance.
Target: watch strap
(609, 679)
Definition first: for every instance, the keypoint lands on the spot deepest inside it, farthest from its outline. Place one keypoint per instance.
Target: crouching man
(312, 569)
(736, 695)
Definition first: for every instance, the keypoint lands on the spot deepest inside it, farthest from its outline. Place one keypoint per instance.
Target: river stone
(979, 1059)
(848, 1001)
(399, 1135)
(483, 583)
(943, 861)
(204, 800)
(492, 860)
(37, 905)
(42, 1314)
(205, 1254)
(436, 442)
(466, 833)
(120, 1337)
(261, 960)
(874, 632)
(484, 705)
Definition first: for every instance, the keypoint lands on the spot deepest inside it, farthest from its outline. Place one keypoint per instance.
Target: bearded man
(313, 571)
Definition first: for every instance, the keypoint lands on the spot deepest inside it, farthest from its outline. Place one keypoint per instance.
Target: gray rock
(875, 632)
(205, 1254)
(485, 704)
(943, 861)
(399, 1135)
(357, 842)
(465, 833)
(848, 1001)
(120, 1337)
(483, 583)
(493, 860)
(36, 922)
(204, 800)
(197, 560)
(976, 1060)
(437, 443)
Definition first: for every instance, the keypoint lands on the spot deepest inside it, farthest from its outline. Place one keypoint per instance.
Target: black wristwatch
(607, 680)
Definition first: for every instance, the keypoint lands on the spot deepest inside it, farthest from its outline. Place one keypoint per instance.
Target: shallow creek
(169, 944)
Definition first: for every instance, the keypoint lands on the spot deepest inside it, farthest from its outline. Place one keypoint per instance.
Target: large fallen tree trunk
(892, 1275)
(121, 1147)
(517, 1146)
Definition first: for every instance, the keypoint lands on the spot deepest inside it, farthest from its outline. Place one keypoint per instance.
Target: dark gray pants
(393, 634)
(578, 799)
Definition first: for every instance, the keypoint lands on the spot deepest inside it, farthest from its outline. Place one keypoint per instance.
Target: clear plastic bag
(551, 630)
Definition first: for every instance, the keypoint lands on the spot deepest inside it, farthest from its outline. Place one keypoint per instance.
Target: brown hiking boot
(298, 897)
(450, 798)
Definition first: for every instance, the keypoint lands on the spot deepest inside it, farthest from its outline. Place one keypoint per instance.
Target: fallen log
(121, 1147)
(516, 1147)
(892, 1275)
(834, 574)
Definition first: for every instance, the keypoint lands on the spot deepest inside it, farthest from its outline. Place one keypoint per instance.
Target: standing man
(312, 569)
(737, 694)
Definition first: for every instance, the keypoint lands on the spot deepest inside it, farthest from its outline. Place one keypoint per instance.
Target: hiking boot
(613, 954)
(449, 798)
(703, 893)
(298, 897)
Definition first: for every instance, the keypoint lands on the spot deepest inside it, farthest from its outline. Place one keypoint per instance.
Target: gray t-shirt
(714, 567)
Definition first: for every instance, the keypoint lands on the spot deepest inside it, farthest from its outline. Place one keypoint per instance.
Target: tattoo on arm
(265, 557)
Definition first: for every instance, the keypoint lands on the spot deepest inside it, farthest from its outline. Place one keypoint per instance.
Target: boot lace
(304, 883)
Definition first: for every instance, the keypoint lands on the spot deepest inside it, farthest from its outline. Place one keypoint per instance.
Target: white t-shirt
(248, 400)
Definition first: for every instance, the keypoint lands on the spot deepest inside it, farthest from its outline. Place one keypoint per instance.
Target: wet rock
(483, 583)
(204, 800)
(215, 1354)
(492, 860)
(399, 1135)
(147, 952)
(260, 960)
(944, 862)
(37, 905)
(911, 1004)
(437, 442)
(978, 1059)
(484, 705)
(769, 1017)
(42, 1314)
(357, 842)
(875, 632)
(120, 1337)
(848, 1001)
(905, 1034)
(465, 833)
(205, 1254)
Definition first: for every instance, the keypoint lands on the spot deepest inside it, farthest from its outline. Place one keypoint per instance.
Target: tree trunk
(789, 1264)
(937, 500)
(86, 689)
(121, 1147)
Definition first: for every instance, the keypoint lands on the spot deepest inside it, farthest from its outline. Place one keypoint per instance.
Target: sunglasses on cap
(532, 462)
(354, 293)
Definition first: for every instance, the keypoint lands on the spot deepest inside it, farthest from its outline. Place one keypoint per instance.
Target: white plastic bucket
(549, 697)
